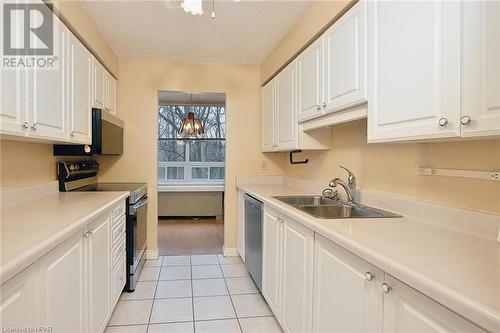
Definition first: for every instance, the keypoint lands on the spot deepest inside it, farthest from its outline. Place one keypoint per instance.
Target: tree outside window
(191, 161)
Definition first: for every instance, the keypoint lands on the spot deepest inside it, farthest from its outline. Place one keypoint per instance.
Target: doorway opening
(191, 172)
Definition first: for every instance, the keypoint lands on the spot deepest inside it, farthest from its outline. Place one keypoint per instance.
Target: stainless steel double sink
(326, 208)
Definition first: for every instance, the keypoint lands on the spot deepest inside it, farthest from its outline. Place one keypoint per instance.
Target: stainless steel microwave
(107, 137)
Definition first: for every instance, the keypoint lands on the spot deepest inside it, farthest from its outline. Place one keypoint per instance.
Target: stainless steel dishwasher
(253, 238)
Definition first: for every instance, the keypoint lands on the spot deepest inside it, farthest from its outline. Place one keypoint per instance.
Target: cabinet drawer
(117, 281)
(118, 211)
(118, 252)
(117, 231)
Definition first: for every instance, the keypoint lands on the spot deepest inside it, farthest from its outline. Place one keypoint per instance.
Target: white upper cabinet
(310, 81)
(347, 293)
(80, 91)
(406, 310)
(268, 116)
(481, 68)
(110, 104)
(98, 77)
(47, 92)
(286, 121)
(346, 60)
(414, 70)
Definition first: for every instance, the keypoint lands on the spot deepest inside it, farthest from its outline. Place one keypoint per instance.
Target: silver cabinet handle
(465, 120)
(86, 235)
(324, 105)
(33, 127)
(318, 107)
(386, 288)
(443, 122)
(369, 276)
(26, 125)
(91, 231)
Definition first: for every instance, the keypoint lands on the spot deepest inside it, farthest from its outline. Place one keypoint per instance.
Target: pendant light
(191, 126)
(194, 7)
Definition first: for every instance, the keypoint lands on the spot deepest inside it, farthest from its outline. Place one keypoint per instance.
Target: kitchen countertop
(33, 226)
(457, 269)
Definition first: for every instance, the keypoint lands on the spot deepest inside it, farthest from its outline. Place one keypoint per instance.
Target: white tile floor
(193, 294)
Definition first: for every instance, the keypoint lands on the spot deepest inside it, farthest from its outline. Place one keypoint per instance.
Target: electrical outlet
(264, 165)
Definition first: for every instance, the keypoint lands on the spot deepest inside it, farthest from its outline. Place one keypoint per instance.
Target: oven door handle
(140, 203)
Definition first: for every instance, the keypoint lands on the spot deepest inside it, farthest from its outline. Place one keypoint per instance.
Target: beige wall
(320, 14)
(76, 18)
(24, 163)
(392, 167)
(140, 82)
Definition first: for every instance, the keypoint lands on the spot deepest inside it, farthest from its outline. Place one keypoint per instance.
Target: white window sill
(191, 188)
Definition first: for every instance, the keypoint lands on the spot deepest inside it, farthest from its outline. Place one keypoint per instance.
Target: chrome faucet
(349, 187)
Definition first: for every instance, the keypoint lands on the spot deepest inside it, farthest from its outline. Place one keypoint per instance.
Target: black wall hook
(297, 162)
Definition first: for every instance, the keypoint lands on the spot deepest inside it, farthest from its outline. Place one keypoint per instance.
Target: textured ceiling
(243, 32)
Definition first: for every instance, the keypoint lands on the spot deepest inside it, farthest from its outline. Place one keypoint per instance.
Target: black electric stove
(82, 176)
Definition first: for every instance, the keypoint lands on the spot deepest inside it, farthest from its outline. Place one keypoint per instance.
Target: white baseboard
(151, 254)
(230, 252)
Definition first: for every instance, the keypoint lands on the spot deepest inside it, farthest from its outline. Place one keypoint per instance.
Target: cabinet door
(19, 299)
(297, 294)
(98, 75)
(111, 95)
(62, 286)
(80, 94)
(481, 68)
(345, 60)
(271, 261)
(13, 102)
(344, 299)
(286, 119)
(99, 273)
(310, 81)
(414, 70)
(47, 96)
(407, 310)
(268, 116)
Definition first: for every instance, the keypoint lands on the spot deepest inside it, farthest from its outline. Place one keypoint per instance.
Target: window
(191, 161)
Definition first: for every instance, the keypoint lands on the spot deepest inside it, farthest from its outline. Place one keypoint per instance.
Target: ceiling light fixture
(191, 126)
(194, 7)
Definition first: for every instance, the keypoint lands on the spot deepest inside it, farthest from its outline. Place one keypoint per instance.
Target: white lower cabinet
(73, 288)
(407, 310)
(297, 282)
(313, 285)
(347, 292)
(287, 271)
(62, 285)
(271, 249)
(18, 300)
(98, 255)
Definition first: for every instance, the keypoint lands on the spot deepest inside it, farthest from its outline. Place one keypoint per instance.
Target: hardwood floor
(187, 236)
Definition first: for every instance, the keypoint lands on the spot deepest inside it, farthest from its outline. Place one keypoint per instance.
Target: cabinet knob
(33, 127)
(318, 107)
(386, 288)
(465, 120)
(324, 105)
(443, 122)
(26, 125)
(86, 235)
(72, 133)
(369, 276)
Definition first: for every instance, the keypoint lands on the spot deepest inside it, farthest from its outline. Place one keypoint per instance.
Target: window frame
(187, 164)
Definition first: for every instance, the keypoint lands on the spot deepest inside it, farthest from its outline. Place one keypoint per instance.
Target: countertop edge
(28, 258)
(476, 313)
